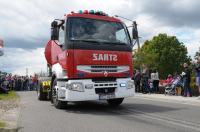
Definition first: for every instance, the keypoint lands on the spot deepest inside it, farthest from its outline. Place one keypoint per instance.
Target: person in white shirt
(155, 80)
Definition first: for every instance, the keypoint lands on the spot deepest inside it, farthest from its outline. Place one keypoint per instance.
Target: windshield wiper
(87, 40)
(100, 41)
(116, 43)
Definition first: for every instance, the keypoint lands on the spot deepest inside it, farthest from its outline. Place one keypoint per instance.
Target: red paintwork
(84, 57)
(70, 59)
(54, 54)
(52, 49)
(93, 16)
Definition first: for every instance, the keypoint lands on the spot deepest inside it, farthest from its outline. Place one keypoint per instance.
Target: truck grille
(102, 68)
(104, 79)
(104, 90)
(105, 87)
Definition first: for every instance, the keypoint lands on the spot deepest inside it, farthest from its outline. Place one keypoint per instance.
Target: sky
(25, 25)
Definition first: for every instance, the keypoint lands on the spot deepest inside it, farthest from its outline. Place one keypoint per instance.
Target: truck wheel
(49, 96)
(115, 102)
(57, 103)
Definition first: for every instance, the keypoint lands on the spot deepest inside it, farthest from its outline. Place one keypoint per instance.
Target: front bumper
(120, 91)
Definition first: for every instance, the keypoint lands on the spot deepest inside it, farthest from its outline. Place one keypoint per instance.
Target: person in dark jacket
(196, 68)
(137, 79)
(145, 78)
(186, 80)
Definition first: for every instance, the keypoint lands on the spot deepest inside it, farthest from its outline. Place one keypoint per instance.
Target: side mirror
(134, 30)
(54, 30)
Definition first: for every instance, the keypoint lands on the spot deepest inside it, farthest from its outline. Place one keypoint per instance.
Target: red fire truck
(89, 57)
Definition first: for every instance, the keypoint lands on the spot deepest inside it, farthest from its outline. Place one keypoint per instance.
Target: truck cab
(90, 57)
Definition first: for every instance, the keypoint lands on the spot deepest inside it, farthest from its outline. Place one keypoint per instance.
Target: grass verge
(10, 95)
(2, 124)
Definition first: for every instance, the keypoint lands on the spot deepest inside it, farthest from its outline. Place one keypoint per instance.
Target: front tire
(54, 97)
(115, 102)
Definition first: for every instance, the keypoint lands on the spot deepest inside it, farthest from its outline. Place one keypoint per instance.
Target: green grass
(2, 124)
(10, 95)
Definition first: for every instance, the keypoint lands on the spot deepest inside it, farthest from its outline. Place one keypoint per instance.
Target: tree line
(163, 53)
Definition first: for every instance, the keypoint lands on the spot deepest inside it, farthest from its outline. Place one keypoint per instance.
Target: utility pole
(136, 32)
(26, 71)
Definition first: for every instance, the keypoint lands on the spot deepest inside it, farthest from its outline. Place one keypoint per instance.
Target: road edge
(11, 116)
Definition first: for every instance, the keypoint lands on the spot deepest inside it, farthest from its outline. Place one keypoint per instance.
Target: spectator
(19, 81)
(14, 82)
(23, 84)
(186, 80)
(145, 78)
(169, 79)
(155, 80)
(137, 79)
(197, 71)
(0, 78)
(35, 82)
(9, 79)
(31, 83)
(26, 83)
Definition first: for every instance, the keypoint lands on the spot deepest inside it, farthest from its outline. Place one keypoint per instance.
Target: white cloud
(16, 60)
(149, 27)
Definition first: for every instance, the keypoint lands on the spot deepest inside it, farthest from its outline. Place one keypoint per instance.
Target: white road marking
(176, 122)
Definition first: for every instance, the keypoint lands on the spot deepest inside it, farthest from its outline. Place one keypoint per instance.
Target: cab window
(61, 35)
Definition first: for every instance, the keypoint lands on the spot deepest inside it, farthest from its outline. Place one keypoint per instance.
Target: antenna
(124, 18)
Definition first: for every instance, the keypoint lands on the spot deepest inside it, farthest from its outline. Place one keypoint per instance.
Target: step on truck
(89, 57)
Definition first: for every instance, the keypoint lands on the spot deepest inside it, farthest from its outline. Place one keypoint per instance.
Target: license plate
(106, 96)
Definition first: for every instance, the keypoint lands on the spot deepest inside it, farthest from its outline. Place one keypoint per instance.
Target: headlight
(76, 87)
(130, 84)
(122, 84)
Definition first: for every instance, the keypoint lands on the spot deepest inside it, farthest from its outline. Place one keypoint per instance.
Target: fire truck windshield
(92, 30)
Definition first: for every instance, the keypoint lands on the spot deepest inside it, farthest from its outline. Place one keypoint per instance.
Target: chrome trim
(106, 85)
(102, 68)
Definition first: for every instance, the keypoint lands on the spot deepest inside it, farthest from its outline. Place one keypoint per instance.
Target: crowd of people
(17, 83)
(147, 81)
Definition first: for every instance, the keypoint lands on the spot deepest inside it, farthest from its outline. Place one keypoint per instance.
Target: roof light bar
(100, 13)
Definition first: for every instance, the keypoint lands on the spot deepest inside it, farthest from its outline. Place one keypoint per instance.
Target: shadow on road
(102, 108)
(10, 130)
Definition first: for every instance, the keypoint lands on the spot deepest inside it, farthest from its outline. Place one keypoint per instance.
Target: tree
(197, 54)
(163, 52)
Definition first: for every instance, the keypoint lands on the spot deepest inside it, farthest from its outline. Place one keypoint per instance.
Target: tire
(54, 97)
(49, 96)
(115, 102)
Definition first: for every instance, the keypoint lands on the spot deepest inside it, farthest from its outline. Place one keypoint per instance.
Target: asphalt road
(134, 115)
